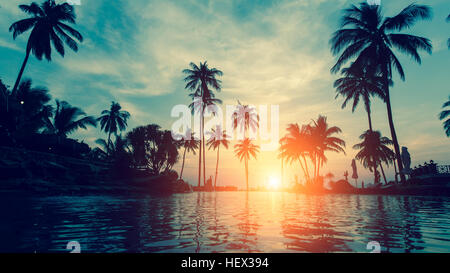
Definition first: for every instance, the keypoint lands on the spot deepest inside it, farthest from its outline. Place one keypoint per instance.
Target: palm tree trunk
(109, 141)
(217, 168)
(306, 166)
(204, 148)
(303, 169)
(391, 126)
(182, 166)
(246, 172)
(22, 69)
(369, 118)
(382, 171)
(200, 156)
(375, 172)
(395, 170)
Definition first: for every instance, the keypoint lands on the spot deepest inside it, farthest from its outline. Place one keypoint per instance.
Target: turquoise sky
(271, 52)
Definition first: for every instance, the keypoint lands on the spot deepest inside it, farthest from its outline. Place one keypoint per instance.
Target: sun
(274, 182)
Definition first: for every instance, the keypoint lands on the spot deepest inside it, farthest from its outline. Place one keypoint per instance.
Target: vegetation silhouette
(67, 119)
(310, 141)
(48, 24)
(244, 150)
(446, 114)
(370, 38)
(359, 83)
(203, 81)
(374, 151)
(113, 120)
(218, 137)
(190, 144)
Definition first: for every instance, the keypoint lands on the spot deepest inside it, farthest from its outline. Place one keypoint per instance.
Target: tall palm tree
(358, 83)
(373, 151)
(244, 150)
(323, 141)
(218, 138)
(113, 120)
(444, 114)
(203, 81)
(190, 144)
(369, 37)
(66, 120)
(48, 24)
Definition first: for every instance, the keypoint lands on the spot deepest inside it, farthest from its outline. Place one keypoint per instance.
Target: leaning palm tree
(66, 120)
(244, 150)
(369, 37)
(218, 138)
(446, 114)
(113, 120)
(373, 151)
(358, 83)
(203, 81)
(48, 24)
(190, 144)
(323, 141)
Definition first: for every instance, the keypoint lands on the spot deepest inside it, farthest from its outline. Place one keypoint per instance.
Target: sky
(271, 53)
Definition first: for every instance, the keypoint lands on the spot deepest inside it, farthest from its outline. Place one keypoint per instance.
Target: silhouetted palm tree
(359, 83)
(190, 144)
(448, 41)
(203, 81)
(218, 138)
(244, 150)
(446, 114)
(323, 141)
(29, 107)
(66, 120)
(373, 151)
(297, 145)
(114, 149)
(369, 37)
(113, 120)
(48, 24)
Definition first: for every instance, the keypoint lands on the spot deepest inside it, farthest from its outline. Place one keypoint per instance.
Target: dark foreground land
(35, 172)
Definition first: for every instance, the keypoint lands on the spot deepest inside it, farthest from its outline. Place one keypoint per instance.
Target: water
(225, 222)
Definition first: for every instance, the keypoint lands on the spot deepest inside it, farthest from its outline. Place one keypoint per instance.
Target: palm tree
(358, 83)
(246, 118)
(323, 141)
(203, 81)
(448, 41)
(48, 24)
(218, 138)
(373, 151)
(444, 114)
(369, 37)
(66, 120)
(113, 120)
(244, 150)
(29, 108)
(190, 144)
(296, 145)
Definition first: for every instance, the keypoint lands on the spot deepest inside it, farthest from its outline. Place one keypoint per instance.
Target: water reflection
(225, 222)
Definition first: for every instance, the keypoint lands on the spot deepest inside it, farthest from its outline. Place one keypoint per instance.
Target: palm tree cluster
(310, 142)
(445, 114)
(368, 40)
